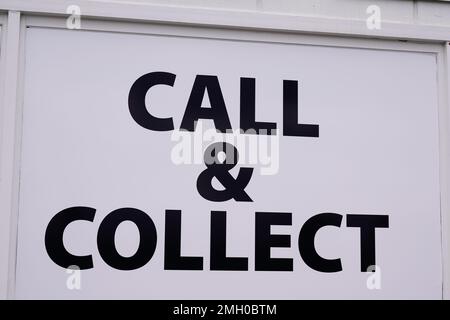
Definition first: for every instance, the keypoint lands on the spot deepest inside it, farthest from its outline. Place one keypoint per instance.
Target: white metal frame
(226, 18)
(13, 69)
(8, 146)
(444, 118)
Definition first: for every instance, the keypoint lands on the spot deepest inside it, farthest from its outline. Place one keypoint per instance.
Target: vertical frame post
(8, 120)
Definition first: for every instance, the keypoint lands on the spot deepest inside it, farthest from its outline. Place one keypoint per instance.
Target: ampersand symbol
(234, 188)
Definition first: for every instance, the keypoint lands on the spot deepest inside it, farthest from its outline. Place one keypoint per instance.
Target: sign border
(13, 72)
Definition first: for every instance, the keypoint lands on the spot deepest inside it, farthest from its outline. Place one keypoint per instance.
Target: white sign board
(109, 184)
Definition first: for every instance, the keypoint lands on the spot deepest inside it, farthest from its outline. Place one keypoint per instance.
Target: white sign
(124, 192)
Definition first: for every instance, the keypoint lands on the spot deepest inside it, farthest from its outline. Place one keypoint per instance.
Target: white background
(377, 153)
